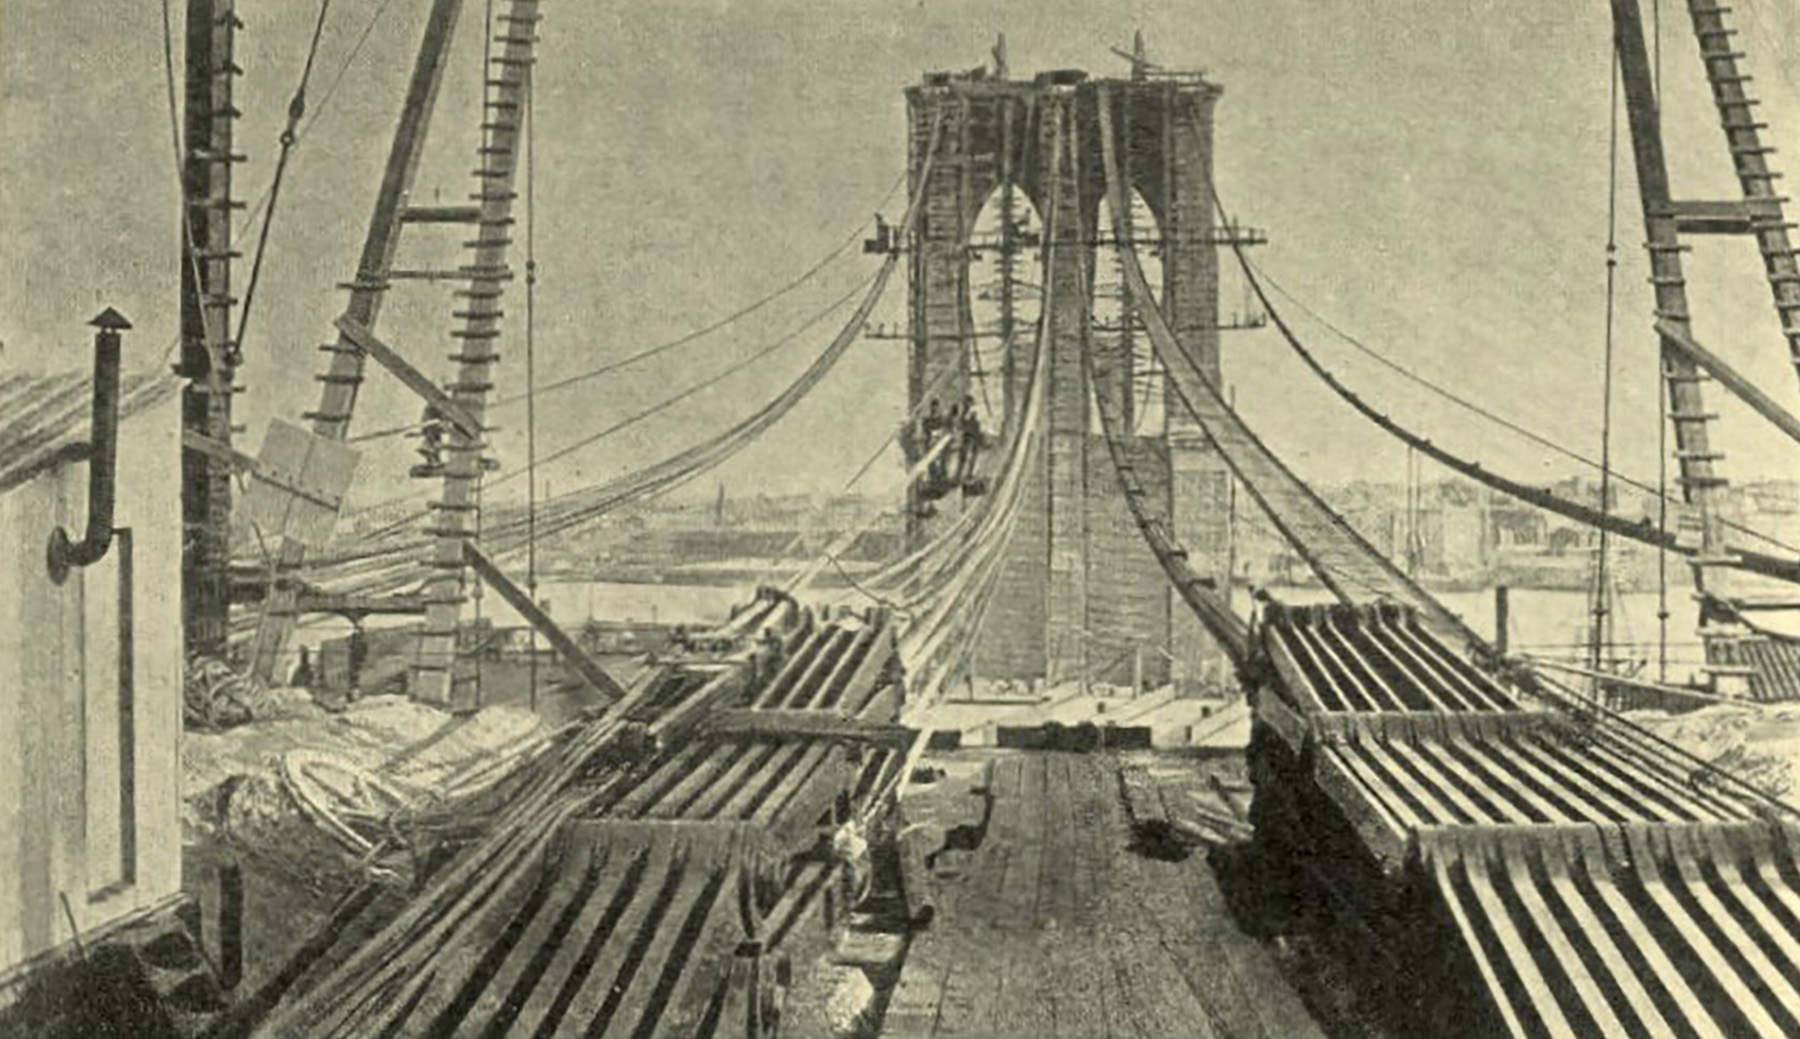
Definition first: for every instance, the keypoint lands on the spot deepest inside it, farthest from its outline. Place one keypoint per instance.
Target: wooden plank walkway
(1057, 928)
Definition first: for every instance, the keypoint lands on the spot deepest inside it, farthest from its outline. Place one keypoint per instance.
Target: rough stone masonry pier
(1078, 591)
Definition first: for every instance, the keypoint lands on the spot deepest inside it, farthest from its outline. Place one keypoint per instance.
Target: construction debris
(217, 696)
(1759, 743)
(344, 776)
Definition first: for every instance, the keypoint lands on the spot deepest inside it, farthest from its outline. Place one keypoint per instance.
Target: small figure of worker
(431, 432)
(302, 676)
(930, 425)
(969, 446)
(941, 465)
(359, 656)
(765, 659)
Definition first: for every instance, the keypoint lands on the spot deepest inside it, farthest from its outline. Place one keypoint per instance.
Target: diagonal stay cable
(703, 384)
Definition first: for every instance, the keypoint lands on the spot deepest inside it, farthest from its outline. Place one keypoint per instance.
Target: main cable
(1477, 409)
(710, 381)
(1606, 375)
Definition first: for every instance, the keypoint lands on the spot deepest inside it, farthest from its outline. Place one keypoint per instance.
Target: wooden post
(338, 389)
(1502, 613)
(208, 357)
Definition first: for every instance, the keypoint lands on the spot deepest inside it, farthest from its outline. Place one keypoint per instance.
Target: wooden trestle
(1531, 872)
(660, 869)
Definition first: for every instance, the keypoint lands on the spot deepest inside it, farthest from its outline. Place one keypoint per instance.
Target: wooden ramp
(1531, 873)
(1055, 926)
(648, 880)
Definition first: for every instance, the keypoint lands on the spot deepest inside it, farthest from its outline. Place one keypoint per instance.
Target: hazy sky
(1433, 177)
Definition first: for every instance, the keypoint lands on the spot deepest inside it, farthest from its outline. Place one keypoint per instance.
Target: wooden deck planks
(567, 972)
(1058, 929)
(705, 899)
(593, 1004)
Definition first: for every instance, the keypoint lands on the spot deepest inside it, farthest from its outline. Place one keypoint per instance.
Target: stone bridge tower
(1080, 594)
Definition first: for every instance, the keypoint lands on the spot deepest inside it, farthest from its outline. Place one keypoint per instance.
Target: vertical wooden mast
(208, 357)
(344, 374)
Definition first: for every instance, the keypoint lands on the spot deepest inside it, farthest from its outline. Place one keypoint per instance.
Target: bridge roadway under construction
(1486, 852)
(1477, 850)
(1491, 861)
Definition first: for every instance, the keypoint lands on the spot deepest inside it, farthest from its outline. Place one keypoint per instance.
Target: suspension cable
(531, 279)
(712, 380)
(1476, 409)
(1600, 602)
(289, 137)
(699, 333)
(1662, 524)
(318, 112)
(661, 348)
(631, 420)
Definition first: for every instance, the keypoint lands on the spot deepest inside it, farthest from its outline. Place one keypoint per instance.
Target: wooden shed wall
(85, 815)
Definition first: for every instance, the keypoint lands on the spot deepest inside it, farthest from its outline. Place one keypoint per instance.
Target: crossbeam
(193, 440)
(247, 465)
(1730, 216)
(572, 654)
(1724, 373)
(805, 723)
(418, 382)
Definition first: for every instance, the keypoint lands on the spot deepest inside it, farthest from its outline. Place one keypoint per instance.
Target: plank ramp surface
(1055, 927)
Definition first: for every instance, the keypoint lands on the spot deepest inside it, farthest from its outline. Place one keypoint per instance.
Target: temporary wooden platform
(651, 881)
(1053, 925)
(1518, 870)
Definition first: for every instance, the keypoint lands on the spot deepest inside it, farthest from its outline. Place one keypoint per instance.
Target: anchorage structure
(1078, 592)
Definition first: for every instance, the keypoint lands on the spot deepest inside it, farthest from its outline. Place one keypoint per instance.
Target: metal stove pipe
(103, 451)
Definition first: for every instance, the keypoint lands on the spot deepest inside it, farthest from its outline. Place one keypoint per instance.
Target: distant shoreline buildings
(1449, 533)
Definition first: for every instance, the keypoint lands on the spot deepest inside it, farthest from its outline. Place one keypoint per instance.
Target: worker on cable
(941, 465)
(968, 446)
(932, 425)
(431, 432)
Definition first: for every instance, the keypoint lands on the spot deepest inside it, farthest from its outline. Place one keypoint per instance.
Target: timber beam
(251, 585)
(1733, 216)
(366, 340)
(1730, 378)
(247, 465)
(808, 724)
(572, 654)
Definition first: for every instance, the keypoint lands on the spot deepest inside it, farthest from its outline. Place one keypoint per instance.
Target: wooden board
(298, 484)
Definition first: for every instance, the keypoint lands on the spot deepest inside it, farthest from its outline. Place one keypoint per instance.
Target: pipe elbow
(64, 553)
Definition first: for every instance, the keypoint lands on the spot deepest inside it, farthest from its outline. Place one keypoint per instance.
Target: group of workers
(954, 465)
